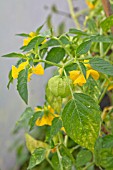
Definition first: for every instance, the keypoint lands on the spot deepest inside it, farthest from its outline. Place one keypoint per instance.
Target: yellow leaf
(32, 143)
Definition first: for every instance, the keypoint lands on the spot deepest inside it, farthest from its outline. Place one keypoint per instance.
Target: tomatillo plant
(79, 134)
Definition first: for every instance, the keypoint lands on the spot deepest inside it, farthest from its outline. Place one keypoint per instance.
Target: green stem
(48, 62)
(101, 45)
(81, 12)
(60, 159)
(74, 148)
(66, 141)
(103, 93)
(73, 14)
(63, 46)
(48, 160)
(92, 163)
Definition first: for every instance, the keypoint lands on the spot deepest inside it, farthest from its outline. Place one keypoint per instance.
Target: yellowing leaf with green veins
(59, 86)
(37, 157)
(32, 143)
(81, 120)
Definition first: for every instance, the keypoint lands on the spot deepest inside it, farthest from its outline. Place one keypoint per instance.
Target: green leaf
(77, 32)
(83, 157)
(91, 25)
(23, 121)
(101, 66)
(102, 38)
(34, 117)
(22, 85)
(37, 157)
(61, 28)
(55, 55)
(50, 43)
(36, 40)
(23, 35)
(84, 47)
(64, 40)
(81, 120)
(33, 144)
(14, 55)
(39, 29)
(104, 152)
(56, 126)
(107, 23)
(10, 79)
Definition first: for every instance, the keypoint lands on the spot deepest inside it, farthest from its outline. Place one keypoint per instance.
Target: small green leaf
(84, 47)
(39, 29)
(34, 117)
(22, 85)
(10, 79)
(102, 38)
(56, 126)
(61, 28)
(101, 66)
(81, 120)
(37, 157)
(50, 43)
(24, 118)
(55, 55)
(14, 55)
(23, 35)
(104, 152)
(33, 144)
(107, 23)
(36, 40)
(77, 32)
(83, 157)
(64, 40)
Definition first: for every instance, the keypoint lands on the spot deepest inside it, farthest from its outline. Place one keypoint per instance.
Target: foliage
(76, 129)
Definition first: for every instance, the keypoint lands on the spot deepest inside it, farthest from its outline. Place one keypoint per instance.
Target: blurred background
(17, 16)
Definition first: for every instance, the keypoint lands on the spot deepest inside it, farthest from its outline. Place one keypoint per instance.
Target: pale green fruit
(59, 86)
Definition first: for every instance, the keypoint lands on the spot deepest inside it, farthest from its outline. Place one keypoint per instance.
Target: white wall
(18, 16)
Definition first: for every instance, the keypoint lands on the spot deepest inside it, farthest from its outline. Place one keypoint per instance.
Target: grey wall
(18, 16)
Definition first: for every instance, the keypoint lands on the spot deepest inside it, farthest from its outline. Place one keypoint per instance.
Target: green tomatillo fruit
(60, 86)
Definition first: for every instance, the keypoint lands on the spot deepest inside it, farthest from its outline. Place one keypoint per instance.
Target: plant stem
(103, 93)
(65, 141)
(74, 148)
(60, 159)
(48, 62)
(101, 45)
(73, 14)
(92, 163)
(48, 160)
(63, 46)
